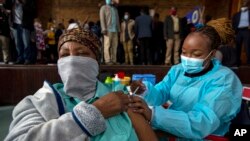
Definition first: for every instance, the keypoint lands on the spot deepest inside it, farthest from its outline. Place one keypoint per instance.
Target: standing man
(4, 32)
(172, 29)
(127, 36)
(110, 25)
(143, 31)
(241, 24)
(23, 13)
(159, 49)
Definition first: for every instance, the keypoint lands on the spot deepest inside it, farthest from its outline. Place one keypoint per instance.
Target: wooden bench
(18, 81)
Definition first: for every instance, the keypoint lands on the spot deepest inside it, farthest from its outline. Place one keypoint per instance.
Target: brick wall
(79, 9)
(218, 8)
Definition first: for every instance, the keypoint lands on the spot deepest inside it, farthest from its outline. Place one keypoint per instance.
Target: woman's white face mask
(79, 76)
(193, 65)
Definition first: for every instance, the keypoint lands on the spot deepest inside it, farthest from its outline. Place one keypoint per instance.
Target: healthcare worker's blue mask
(193, 65)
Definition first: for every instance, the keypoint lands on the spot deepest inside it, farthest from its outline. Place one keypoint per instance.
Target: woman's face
(75, 49)
(196, 45)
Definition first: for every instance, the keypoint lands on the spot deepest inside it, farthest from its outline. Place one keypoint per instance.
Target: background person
(4, 32)
(143, 34)
(23, 13)
(126, 37)
(241, 24)
(172, 30)
(110, 26)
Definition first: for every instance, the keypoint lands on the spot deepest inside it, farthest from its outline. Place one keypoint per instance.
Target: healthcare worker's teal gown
(201, 105)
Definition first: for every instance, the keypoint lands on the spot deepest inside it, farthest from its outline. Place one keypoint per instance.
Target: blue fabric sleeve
(159, 94)
(59, 100)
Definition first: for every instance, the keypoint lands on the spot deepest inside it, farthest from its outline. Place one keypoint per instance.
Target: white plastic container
(116, 82)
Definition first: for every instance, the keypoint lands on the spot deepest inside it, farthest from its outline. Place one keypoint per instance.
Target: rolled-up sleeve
(89, 118)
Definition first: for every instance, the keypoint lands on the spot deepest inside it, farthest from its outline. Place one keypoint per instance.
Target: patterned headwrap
(84, 37)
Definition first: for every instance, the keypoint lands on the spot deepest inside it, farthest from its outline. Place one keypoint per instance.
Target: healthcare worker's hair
(81, 36)
(224, 28)
(211, 34)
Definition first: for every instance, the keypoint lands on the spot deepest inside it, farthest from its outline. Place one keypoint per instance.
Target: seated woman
(82, 108)
(205, 95)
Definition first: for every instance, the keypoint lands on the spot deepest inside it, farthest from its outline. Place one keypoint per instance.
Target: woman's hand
(137, 84)
(113, 103)
(141, 107)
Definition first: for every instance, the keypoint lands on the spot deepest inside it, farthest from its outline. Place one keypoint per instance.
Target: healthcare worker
(80, 108)
(203, 95)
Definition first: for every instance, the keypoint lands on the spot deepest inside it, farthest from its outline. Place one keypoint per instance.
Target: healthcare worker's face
(197, 46)
(75, 49)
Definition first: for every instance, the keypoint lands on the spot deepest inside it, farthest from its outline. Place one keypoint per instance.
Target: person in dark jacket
(143, 33)
(23, 13)
(172, 30)
(241, 24)
(159, 48)
(4, 32)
